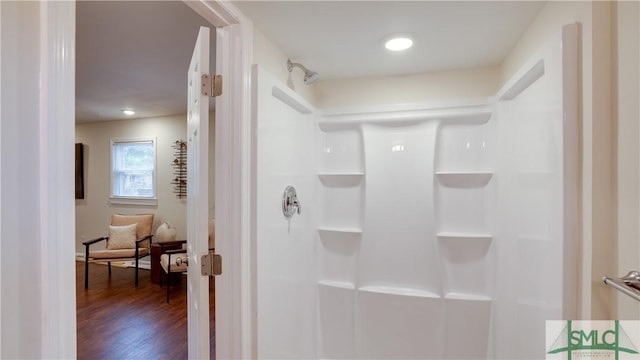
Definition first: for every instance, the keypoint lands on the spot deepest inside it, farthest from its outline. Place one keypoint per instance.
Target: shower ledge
(339, 230)
(477, 116)
(460, 235)
(345, 179)
(462, 296)
(337, 284)
(388, 290)
(464, 179)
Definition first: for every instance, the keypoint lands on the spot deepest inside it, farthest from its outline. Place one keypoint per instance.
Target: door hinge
(211, 85)
(211, 264)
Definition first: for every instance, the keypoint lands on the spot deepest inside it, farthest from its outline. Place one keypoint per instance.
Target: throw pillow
(122, 237)
(165, 233)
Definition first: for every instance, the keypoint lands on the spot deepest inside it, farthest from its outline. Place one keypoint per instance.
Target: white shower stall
(426, 231)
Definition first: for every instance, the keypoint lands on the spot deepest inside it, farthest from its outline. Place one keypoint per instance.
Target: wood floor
(117, 320)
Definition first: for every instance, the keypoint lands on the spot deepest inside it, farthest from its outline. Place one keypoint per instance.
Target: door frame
(235, 315)
(235, 319)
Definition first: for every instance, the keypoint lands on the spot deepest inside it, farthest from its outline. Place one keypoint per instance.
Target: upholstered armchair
(129, 239)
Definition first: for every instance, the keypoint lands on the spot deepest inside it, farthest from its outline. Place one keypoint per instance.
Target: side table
(158, 249)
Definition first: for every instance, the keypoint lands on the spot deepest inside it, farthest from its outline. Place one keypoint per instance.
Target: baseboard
(142, 264)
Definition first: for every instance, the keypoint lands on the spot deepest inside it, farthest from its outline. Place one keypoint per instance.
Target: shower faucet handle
(290, 203)
(297, 205)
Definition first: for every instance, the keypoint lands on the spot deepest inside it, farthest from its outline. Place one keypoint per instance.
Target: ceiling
(341, 39)
(135, 54)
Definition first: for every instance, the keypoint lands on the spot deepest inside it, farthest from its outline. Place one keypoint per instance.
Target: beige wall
(626, 115)
(94, 211)
(415, 88)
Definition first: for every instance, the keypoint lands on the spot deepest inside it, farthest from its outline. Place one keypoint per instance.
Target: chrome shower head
(309, 76)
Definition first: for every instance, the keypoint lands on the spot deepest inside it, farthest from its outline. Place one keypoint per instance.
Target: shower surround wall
(426, 232)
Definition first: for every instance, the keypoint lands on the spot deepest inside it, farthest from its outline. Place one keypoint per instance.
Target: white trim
(218, 13)
(0, 177)
(121, 200)
(519, 84)
(249, 277)
(571, 152)
(235, 289)
(57, 207)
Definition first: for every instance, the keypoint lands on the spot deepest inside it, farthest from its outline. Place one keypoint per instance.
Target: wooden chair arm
(176, 251)
(149, 237)
(89, 242)
(171, 243)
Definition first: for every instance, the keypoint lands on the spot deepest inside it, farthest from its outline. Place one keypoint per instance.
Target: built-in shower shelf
(345, 179)
(339, 230)
(388, 290)
(464, 248)
(458, 179)
(460, 235)
(337, 284)
(462, 296)
(477, 116)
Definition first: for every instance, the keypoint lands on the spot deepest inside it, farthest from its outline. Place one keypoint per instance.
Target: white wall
(594, 180)
(93, 213)
(285, 274)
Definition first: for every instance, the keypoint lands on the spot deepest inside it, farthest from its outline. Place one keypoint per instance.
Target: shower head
(309, 76)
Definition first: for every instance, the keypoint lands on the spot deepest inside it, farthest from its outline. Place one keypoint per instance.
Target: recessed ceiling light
(398, 43)
(128, 112)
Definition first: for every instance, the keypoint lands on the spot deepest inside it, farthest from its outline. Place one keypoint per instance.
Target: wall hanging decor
(179, 164)
(79, 171)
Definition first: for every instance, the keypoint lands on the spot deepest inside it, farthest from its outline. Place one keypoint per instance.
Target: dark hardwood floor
(117, 320)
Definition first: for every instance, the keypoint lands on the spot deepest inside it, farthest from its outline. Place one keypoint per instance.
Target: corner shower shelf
(339, 230)
(459, 235)
(461, 296)
(337, 284)
(470, 179)
(341, 179)
(388, 290)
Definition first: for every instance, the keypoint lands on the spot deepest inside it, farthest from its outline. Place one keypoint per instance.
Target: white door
(198, 199)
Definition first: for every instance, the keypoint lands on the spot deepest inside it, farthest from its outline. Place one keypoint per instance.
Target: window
(133, 171)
